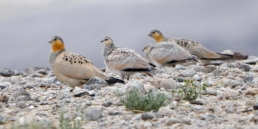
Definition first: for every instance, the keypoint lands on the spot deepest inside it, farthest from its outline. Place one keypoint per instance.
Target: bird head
(107, 41)
(157, 35)
(57, 43)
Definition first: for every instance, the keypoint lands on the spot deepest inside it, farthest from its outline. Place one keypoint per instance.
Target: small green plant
(190, 91)
(137, 101)
(75, 123)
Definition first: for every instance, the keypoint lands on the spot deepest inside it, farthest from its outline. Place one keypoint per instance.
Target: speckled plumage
(193, 47)
(167, 54)
(74, 69)
(124, 61)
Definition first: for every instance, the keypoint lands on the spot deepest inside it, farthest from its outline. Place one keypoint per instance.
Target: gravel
(229, 102)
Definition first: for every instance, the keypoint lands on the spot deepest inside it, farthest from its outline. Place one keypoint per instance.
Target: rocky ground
(231, 100)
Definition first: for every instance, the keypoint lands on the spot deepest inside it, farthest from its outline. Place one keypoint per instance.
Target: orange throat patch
(159, 39)
(57, 46)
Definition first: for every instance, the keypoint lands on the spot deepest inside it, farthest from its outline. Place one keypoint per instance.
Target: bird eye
(153, 32)
(55, 39)
(106, 39)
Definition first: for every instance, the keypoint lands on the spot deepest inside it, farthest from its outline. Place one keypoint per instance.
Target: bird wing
(125, 59)
(76, 66)
(164, 52)
(196, 48)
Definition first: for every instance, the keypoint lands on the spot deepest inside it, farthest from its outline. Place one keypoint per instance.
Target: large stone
(148, 116)
(6, 72)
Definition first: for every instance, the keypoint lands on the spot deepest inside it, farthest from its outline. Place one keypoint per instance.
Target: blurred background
(26, 26)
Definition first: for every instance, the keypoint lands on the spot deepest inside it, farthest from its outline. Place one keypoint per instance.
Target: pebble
(4, 85)
(113, 113)
(94, 114)
(248, 79)
(252, 92)
(92, 93)
(230, 109)
(217, 72)
(135, 84)
(147, 125)
(21, 105)
(2, 119)
(107, 104)
(255, 107)
(197, 78)
(96, 80)
(4, 98)
(214, 93)
(38, 96)
(166, 111)
(21, 95)
(6, 72)
(187, 73)
(244, 67)
(18, 73)
(197, 102)
(148, 116)
(88, 103)
(35, 69)
(209, 69)
(148, 88)
(166, 84)
(172, 121)
(44, 103)
(92, 86)
(78, 93)
(197, 108)
(42, 71)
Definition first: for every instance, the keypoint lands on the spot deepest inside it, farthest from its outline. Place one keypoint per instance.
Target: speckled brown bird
(73, 69)
(167, 53)
(124, 61)
(193, 47)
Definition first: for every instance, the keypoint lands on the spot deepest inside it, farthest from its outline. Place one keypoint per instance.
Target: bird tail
(235, 56)
(113, 80)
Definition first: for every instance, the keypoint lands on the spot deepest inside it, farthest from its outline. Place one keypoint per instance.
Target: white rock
(166, 111)
(31, 107)
(135, 84)
(147, 125)
(187, 73)
(197, 78)
(149, 87)
(92, 93)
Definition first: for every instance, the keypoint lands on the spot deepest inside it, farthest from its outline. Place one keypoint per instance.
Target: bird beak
(101, 41)
(150, 35)
(49, 42)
